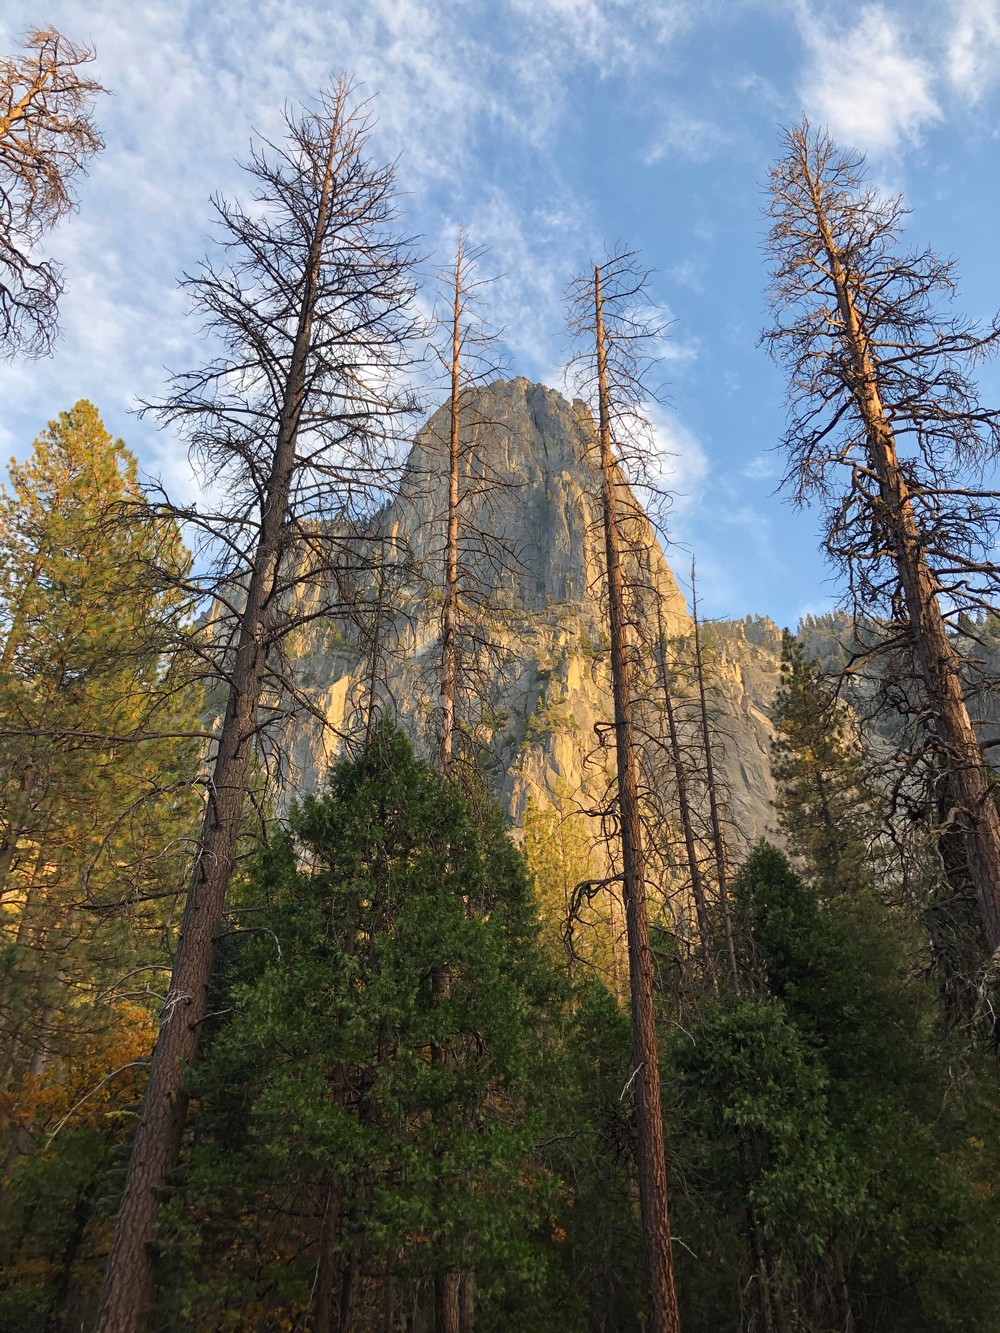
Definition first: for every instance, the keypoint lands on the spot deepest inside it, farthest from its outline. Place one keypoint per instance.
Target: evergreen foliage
(419, 1101)
(96, 801)
(339, 1159)
(830, 1145)
(827, 808)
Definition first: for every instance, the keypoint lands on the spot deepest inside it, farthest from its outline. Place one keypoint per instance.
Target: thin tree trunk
(718, 840)
(447, 1306)
(652, 1169)
(937, 660)
(326, 1267)
(129, 1281)
(684, 805)
(467, 1303)
(449, 625)
(349, 1291)
(388, 1295)
(446, 1284)
(81, 1216)
(762, 1292)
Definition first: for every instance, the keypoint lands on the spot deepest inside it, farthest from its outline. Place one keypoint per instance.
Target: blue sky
(546, 127)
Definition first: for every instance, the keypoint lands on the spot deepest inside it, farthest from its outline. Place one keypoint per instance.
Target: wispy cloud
(682, 460)
(765, 467)
(862, 81)
(685, 136)
(972, 51)
(609, 34)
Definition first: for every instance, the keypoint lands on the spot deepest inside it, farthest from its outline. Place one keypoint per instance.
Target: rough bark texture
(684, 804)
(447, 1306)
(449, 624)
(652, 1169)
(467, 1303)
(129, 1282)
(715, 813)
(938, 662)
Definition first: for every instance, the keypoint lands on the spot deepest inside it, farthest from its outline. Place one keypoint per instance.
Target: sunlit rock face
(536, 693)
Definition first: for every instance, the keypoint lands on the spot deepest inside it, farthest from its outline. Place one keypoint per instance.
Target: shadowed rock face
(532, 555)
(530, 490)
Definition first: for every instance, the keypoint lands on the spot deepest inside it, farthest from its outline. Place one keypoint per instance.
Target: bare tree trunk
(326, 1267)
(349, 1291)
(446, 1284)
(449, 627)
(718, 841)
(684, 805)
(467, 1303)
(652, 1170)
(447, 1313)
(937, 660)
(449, 1286)
(129, 1281)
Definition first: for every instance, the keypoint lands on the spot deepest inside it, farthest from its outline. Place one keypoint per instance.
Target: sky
(548, 129)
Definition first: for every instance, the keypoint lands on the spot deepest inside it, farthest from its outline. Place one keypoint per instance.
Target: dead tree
(606, 322)
(47, 137)
(291, 422)
(471, 361)
(887, 432)
(712, 788)
(679, 772)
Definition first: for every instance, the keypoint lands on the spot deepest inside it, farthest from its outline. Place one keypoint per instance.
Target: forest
(390, 1054)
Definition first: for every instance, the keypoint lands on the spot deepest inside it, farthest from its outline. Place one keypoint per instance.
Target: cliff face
(535, 669)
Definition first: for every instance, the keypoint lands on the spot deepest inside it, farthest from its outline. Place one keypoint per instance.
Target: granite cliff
(536, 666)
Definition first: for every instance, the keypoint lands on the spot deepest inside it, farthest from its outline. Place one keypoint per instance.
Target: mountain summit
(535, 662)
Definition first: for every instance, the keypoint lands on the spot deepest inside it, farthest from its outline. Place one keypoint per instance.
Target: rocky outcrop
(536, 676)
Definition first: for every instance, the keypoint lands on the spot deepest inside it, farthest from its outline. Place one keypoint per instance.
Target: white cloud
(610, 34)
(863, 83)
(973, 47)
(765, 467)
(685, 136)
(536, 252)
(682, 462)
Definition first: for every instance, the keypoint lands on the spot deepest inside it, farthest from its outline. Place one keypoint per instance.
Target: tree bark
(937, 660)
(449, 625)
(715, 814)
(447, 1306)
(327, 1269)
(467, 1303)
(446, 1284)
(652, 1170)
(684, 805)
(129, 1280)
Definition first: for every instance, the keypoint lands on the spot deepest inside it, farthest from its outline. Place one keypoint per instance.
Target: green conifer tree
(828, 810)
(822, 1123)
(96, 797)
(96, 757)
(342, 1166)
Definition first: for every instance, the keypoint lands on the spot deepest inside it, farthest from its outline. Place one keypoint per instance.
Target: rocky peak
(532, 558)
(530, 517)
